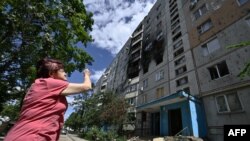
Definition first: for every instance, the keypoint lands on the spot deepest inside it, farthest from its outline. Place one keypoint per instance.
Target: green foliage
(74, 122)
(114, 109)
(246, 70)
(11, 110)
(98, 110)
(96, 133)
(242, 44)
(31, 30)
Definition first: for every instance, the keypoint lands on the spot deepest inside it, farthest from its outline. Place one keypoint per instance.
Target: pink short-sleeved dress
(41, 117)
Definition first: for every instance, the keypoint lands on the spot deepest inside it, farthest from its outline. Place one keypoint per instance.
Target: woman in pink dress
(44, 105)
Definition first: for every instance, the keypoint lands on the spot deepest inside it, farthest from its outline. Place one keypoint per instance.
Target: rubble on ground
(168, 138)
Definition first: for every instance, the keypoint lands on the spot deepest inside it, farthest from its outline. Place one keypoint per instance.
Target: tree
(101, 109)
(114, 109)
(11, 110)
(31, 30)
(74, 121)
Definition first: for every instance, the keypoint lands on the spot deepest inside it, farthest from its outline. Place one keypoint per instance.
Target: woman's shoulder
(48, 80)
(51, 82)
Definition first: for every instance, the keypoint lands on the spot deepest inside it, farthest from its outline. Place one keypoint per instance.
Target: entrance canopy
(155, 105)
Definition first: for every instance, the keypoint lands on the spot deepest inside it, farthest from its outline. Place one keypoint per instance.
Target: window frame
(145, 83)
(218, 71)
(181, 70)
(208, 49)
(242, 3)
(203, 27)
(144, 98)
(200, 12)
(247, 19)
(131, 100)
(180, 61)
(227, 103)
(178, 52)
(159, 75)
(178, 82)
(159, 35)
(159, 92)
(178, 44)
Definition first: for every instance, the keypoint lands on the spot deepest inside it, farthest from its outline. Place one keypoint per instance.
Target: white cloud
(70, 99)
(115, 20)
(97, 74)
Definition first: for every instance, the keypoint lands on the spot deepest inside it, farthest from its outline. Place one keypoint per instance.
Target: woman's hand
(86, 72)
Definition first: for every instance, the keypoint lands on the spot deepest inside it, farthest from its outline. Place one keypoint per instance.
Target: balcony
(136, 39)
(135, 56)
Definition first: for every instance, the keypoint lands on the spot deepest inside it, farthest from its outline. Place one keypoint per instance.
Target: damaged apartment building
(178, 72)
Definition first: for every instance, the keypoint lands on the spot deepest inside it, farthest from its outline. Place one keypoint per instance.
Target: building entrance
(175, 121)
(155, 124)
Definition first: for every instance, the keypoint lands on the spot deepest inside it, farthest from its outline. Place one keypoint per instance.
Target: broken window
(218, 70)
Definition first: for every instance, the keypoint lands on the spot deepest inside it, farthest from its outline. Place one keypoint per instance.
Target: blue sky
(114, 22)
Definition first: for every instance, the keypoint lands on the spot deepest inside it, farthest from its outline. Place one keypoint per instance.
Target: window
(173, 7)
(218, 70)
(174, 18)
(186, 90)
(174, 11)
(241, 2)
(103, 87)
(180, 61)
(132, 88)
(228, 103)
(148, 20)
(144, 99)
(159, 92)
(159, 75)
(182, 81)
(180, 70)
(158, 16)
(159, 24)
(178, 52)
(204, 27)
(148, 47)
(201, 11)
(145, 83)
(171, 3)
(158, 7)
(131, 101)
(248, 20)
(177, 36)
(192, 4)
(159, 36)
(147, 29)
(210, 47)
(147, 37)
(194, 1)
(177, 29)
(178, 44)
(175, 24)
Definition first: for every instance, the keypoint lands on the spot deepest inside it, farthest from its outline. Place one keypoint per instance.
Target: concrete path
(74, 137)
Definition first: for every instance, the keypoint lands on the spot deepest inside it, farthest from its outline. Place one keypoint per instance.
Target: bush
(96, 134)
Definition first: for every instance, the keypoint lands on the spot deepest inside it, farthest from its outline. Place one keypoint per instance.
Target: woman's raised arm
(75, 88)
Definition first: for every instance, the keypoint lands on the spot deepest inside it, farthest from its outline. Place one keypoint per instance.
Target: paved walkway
(74, 137)
(68, 137)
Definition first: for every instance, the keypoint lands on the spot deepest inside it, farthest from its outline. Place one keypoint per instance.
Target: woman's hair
(46, 67)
